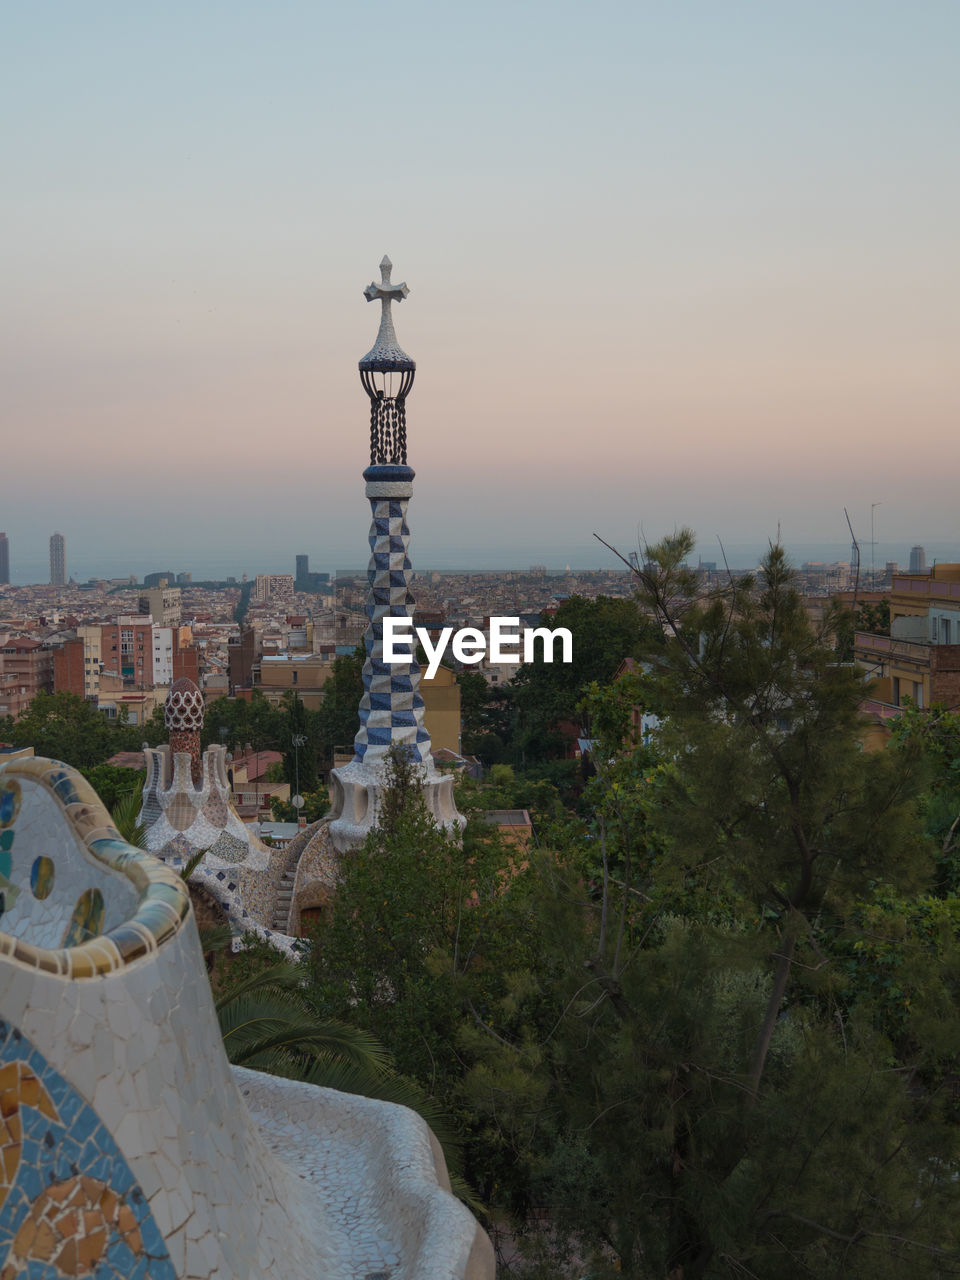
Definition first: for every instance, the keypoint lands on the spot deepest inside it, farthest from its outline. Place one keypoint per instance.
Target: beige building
(441, 709)
(115, 700)
(919, 660)
(305, 673)
(273, 586)
(91, 637)
(26, 669)
(163, 604)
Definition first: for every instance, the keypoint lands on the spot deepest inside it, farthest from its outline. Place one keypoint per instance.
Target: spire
(386, 355)
(388, 394)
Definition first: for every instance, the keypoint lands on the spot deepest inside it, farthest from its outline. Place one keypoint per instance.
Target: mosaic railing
(90, 903)
(129, 1147)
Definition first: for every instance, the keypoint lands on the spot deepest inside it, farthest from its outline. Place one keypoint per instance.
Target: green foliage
(747, 1068)
(154, 730)
(234, 722)
(936, 735)
(474, 696)
(65, 727)
(426, 938)
(842, 623)
(243, 604)
(709, 1027)
(126, 818)
(269, 1022)
(112, 782)
(604, 632)
(315, 805)
(342, 692)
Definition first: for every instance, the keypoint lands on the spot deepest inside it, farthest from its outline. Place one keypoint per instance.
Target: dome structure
(183, 707)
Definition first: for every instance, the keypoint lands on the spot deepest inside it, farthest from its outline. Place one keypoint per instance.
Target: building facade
(162, 603)
(273, 586)
(58, 560)
(26, 669)
(919, 660)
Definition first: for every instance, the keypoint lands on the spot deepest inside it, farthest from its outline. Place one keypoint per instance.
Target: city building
(919, 660)
(163, 604)
(76, 663)
(273, 586)
(303, 673)
(58, 560)
(4, 559)
(127, 648)
(26, 669)
(918, 560)
(243, 654)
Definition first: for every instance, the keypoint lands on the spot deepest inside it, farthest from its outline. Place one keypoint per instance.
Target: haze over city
(668, 265)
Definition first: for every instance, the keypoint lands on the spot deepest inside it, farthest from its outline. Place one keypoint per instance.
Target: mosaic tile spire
(391, 709)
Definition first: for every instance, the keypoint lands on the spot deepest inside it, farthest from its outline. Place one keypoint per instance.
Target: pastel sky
(670, 263)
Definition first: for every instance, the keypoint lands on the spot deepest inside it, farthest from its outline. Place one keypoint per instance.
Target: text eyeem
(470, 645)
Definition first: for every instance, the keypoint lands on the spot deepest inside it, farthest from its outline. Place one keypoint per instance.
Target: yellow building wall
(441, 709)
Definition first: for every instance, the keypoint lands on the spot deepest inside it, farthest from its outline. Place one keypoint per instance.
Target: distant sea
(580, 556)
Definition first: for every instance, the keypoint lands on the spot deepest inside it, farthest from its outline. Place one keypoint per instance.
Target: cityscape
(480, 732)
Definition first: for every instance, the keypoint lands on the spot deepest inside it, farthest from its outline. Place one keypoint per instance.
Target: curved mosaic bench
(129, 1148)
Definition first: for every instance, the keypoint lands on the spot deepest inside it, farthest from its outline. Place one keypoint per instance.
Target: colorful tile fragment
(87, 919)
(9, 801)
(69, 1204)
(41, 877)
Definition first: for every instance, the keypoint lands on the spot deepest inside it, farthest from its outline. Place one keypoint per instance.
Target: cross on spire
(385, 291)
(386, 354)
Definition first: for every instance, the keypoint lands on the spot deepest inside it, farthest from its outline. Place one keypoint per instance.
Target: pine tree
(727, 1091)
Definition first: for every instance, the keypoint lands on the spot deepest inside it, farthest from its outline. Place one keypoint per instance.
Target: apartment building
(919, 660)
(26, 669)
(163, 604)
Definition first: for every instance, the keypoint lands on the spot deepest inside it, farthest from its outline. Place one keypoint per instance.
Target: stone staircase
(281, 911)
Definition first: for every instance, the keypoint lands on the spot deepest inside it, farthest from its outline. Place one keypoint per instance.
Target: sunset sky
(669, 263)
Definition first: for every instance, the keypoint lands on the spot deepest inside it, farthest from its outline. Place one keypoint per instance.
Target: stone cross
(385, 291)
(386, 355)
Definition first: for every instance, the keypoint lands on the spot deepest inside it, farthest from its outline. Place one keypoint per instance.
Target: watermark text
(469, 645)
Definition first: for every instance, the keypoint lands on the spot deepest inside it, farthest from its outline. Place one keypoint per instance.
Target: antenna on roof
(856, 547)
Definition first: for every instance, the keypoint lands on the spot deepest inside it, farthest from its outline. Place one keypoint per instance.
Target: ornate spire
(386, 355)
(388, 395)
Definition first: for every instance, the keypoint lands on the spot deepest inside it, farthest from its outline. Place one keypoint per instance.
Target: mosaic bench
(129, 1147)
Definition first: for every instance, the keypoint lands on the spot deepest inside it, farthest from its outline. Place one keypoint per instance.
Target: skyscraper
(303, 568)
(918, 560)
(58, 560)
(4, 558)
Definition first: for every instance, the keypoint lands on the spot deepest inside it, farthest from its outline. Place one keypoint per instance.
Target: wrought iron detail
(388, 420)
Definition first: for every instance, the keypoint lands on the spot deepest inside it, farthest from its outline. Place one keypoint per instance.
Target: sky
(669, 264)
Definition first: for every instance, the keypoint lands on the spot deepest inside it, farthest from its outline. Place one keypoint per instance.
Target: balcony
(869, 647)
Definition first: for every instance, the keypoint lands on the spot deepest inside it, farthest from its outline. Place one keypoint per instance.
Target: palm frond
(282, 977)
(190, 866)
(126, 818)
(215, 938)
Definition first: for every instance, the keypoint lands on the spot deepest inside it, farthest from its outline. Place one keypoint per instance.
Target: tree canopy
(709, 1027)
